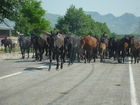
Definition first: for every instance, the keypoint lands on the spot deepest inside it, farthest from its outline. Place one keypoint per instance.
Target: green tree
(77, 22)
(9, 9)
(31, 18)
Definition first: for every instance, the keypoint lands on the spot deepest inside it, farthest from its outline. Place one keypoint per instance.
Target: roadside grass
(13, 50)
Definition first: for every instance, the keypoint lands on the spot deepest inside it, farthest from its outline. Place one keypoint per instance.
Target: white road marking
(132, 87)
(14, 74)
(10, 75)
(41, 67)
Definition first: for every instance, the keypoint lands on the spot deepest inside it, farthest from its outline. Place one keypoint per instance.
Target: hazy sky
(116, 7)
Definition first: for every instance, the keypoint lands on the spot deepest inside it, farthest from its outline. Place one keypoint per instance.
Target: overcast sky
(116, 7)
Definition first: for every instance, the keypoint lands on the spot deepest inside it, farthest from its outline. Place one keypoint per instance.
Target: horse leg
(94, 56)
(28, 51)
(131, 59)
(23, 53)
(69, 57)
(50, 57)
(57, 59)
(101, 58)
(5, 48)
(90, 55)
(33, 53)
(62, 59)
(101, 55)
(85, 56)
(138, 60)
(10, 48)
(36, 54)
(135, 58)
(40, 54)
(73, 55)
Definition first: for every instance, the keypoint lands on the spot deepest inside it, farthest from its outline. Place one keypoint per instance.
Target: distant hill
(124, 24)
(52, 18)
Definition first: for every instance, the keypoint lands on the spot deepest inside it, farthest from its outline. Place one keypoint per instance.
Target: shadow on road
(32, 68)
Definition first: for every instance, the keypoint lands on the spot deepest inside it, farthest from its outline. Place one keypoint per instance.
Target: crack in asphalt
(75, 86)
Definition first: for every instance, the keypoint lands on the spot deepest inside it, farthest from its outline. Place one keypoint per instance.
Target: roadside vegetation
(29, 17)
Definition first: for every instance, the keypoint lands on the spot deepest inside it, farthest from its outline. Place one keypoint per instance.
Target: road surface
(25, 82)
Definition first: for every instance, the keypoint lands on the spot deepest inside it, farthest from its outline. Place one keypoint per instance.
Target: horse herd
(71, 48)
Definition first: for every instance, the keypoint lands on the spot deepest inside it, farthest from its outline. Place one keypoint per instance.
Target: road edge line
(132, 87)
(10, 75)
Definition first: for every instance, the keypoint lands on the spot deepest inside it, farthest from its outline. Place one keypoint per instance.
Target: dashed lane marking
(10, 75)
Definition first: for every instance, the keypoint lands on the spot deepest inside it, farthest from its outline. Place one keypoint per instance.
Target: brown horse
(103, 48)
(89, 44)
(135, 50)
(102, 51)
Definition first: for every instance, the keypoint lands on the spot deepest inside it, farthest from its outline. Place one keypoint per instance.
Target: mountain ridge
(127, 23)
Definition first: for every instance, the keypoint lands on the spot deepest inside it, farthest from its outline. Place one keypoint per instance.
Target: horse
(89, 45)
(103, 46)
(135, 51)
(56, 48)
(112, 46)
(7, 43)
(102, 51)
(123, 46)
(72, 48)
(40, 43)
(24, 44)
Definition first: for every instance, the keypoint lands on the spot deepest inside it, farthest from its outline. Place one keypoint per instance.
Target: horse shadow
(32, 69)
(108, 61)
(43, 66)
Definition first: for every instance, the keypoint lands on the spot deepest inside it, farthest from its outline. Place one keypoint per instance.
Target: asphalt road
(25, 82)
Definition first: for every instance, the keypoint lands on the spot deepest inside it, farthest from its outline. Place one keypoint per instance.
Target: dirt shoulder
(13, 55)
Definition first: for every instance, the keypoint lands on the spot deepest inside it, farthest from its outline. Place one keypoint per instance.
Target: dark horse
(72, 48)
(123, 48)
(112, 46)
(56, 48)
(7, 44)
(40, 43)
(24, 44)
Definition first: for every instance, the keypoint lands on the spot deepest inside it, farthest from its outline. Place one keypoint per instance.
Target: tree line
(29, 18)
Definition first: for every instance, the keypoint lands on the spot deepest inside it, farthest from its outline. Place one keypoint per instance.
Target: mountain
(124, 24)
(52, 18)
